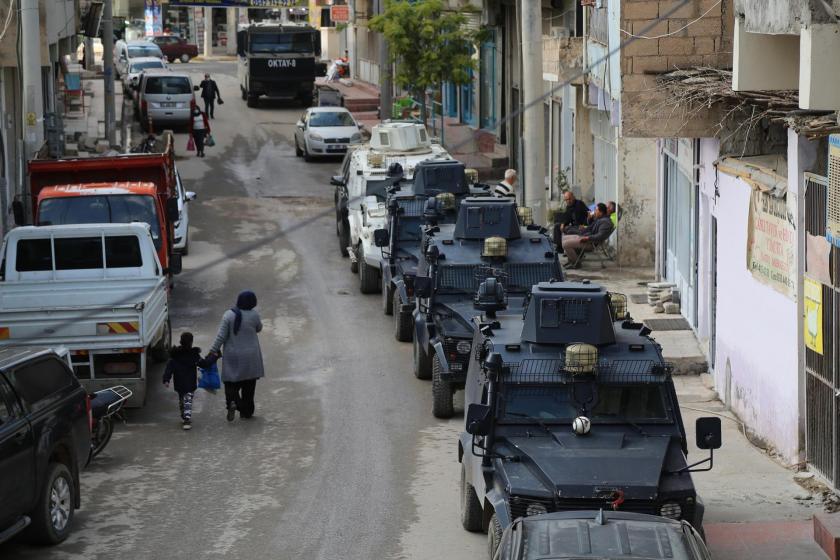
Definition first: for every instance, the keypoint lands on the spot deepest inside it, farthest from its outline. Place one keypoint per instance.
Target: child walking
(182, 365)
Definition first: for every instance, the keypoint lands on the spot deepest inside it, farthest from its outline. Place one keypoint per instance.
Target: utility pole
(231, 14)
(385, 85)
(108, 71)
(33, 96)
(208, 32)
(533, 125)
(351, 40)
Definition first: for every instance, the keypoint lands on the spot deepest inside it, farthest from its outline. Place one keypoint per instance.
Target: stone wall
(663, 46)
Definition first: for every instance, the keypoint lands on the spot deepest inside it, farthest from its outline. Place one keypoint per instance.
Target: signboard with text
(340, 14)
(771, 243)
(813, 316)
(234, 3)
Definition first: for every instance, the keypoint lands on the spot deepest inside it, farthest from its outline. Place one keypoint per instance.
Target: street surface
(343, 459)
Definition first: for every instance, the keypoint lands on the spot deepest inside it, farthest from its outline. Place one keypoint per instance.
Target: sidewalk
(754, 507)
(84, 129)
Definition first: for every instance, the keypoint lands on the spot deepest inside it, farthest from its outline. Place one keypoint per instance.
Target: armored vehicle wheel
(354, 263)
(422, 363)
(368, 277)
(253, 100)
(387, 298)
(343, 238)
(403, 321)
(494, 535)
(471, 514)
(442, 397)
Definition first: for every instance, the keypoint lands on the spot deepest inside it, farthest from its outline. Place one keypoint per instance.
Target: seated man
(580, 239)
(575, 215)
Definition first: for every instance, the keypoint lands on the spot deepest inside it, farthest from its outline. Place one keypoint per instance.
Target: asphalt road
(343, 459)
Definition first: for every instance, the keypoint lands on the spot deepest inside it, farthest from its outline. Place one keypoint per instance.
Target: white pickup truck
(98, 289)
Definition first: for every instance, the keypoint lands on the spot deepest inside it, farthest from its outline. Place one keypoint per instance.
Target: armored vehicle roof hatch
(480, 218)
(434, 177)
(563, 312)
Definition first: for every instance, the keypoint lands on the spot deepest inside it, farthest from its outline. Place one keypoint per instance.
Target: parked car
(137, 66)
(97, 289)
(165, 97)
(44, 443)
(182, 225)
(602, 535)
(325, 131)
(124, 51)
(175, 48)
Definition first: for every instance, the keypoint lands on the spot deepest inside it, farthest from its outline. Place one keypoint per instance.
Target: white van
(165, 97)
(124, 51)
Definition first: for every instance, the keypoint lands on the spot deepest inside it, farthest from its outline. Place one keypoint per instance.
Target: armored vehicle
(571, 407)
(487, 240)
(361, 191)
(438, 186)
(280, 60)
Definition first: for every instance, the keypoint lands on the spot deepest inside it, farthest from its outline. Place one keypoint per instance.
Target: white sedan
(325, 131)
(136, 66)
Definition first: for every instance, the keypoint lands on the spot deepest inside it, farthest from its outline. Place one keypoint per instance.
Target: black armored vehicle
(487, 240)
(571, 407)
(429, 200)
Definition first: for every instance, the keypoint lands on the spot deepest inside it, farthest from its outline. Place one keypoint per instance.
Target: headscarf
(246, 300)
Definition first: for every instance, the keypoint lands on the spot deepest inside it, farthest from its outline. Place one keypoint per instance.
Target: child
(182, 365)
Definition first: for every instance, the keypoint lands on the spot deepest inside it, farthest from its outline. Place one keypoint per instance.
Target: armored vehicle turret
(571, 407)
(487, 240)
(430, 199)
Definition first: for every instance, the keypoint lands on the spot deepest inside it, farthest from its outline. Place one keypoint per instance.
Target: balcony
(563, 59)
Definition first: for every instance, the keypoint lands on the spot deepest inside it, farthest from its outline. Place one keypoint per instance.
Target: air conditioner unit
(832, 227)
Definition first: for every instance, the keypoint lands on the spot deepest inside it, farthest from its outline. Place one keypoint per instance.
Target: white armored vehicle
(394, 150)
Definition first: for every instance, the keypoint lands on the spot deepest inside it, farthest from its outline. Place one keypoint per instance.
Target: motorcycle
(105, 406)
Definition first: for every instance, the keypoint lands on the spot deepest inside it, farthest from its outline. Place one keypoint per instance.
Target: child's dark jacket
(182, 366)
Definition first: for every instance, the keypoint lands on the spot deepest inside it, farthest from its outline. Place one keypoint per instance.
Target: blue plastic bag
(209, 379)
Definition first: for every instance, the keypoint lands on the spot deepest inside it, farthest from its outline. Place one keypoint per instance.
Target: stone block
(827, 534)
(650, 64)
(647, 9)
(689, 61)
(672, 308)
(689, 10)
(705, 45)
(706, 27)
(650, 28)
(678, 27)
(672, 46)
(641, 47)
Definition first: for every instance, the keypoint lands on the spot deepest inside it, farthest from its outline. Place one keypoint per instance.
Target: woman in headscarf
(242, 362)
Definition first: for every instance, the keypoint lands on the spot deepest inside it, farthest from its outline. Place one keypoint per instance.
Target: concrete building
(742, 201)
(58, 24)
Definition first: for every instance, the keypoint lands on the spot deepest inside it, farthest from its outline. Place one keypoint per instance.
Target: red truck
(175, 48)
(112, 189)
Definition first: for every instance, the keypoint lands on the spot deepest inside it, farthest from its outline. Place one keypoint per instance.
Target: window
(6, 397)
(145, 50)
(123, 252)
(281, 43)
(331, 118)
(167, 85)
(33, 255)
(145, 65)
(37, 382)
(78, 253)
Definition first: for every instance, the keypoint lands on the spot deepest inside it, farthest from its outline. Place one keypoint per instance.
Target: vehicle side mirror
(175, 263)
(478, 419)
(381, 238)
(18, 213)
(190, 195)
(337, 181)
(300, 125)
(196, 88)
(422, 286)
(708, 433)
(172, 209)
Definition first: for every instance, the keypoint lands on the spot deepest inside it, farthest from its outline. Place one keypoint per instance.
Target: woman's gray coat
(241, 355)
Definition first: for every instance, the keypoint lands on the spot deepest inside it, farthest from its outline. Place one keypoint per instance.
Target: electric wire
(8, 19)
(683, 28)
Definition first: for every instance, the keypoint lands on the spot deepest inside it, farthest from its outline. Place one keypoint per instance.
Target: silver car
(131, 78)
(165, 97)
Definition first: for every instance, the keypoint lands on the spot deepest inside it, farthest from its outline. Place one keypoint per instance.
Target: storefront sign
(234, 3)
(771, 243)
(340, 14)
(813, 316)
(154, 18)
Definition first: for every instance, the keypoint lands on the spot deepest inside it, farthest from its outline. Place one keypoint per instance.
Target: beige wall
(819, 68)
(646, 112)
(754, 53)
(637, 161)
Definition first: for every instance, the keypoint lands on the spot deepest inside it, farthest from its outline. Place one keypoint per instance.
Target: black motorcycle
(105, 406)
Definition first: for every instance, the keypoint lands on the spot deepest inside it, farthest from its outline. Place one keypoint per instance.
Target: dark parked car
(605, 535)
(44, 443)
(175, 48)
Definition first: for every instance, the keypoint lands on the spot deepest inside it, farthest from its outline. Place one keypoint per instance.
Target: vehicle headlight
(671, 510)
(535, 509)
(464, 347)
(356, 138)
(316, 137)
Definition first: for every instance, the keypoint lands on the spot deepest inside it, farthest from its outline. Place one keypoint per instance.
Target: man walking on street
(209, 93)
